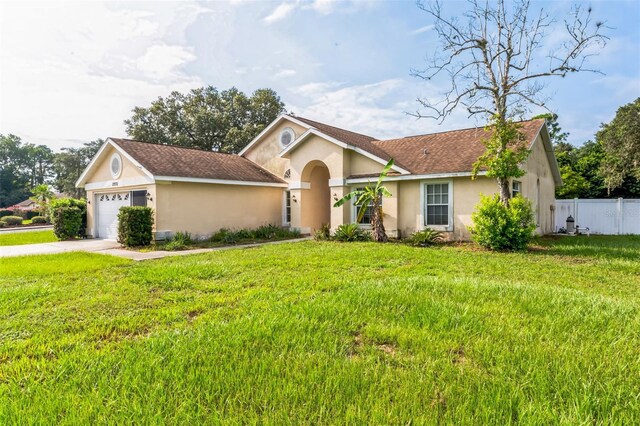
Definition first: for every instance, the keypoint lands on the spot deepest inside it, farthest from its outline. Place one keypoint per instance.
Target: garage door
(108, 206)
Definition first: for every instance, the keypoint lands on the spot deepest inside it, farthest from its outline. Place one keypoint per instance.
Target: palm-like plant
(41, 195)
(371, 196)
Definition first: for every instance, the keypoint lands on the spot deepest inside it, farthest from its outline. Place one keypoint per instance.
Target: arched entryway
(315, 205)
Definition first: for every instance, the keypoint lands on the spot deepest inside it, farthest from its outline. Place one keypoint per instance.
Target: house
(295, 169)
(25, 206)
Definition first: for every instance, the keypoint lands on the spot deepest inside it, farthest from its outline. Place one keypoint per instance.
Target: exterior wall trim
(414, 177)
(299, 185)
(115, 184)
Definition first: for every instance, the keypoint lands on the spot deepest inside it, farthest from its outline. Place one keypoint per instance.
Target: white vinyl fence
(610, 217)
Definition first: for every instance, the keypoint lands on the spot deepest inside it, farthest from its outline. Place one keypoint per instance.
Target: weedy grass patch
(326, 333)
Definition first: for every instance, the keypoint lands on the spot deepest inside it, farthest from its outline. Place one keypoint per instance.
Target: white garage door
(108, 206)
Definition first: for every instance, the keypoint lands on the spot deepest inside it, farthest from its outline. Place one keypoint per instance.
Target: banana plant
(371, 195)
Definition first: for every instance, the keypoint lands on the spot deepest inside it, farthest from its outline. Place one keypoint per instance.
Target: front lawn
(30, 237)
(326, 333)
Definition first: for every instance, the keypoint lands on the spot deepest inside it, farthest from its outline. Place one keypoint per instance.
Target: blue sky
(72, 71)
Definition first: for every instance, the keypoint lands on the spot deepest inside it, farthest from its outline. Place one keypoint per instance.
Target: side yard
(323, 333)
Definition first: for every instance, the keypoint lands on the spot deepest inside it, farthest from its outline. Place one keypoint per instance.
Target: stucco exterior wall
(266, 152)
(102, 172)
(466, 194)
(538, 186)
(202, 208)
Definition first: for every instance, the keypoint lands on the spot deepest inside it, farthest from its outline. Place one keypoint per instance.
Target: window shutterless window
(516, 188)
(437, 204)
(368, 213)
(139, 198)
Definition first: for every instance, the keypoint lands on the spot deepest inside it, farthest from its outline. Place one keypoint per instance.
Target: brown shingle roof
(358, 140)
(445, 152)
(176, 161)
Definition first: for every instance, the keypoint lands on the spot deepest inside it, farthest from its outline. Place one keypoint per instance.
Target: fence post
(620, 215)
(575, 210)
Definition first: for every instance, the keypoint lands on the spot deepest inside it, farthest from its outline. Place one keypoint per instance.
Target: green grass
(326, 333)
(31, 237)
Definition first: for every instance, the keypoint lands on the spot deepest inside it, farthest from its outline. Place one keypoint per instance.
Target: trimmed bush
(350, 232)
(69, 202)
(135, 226)
(426, 237)
(67, 222)
(5, 212)
(500, 227)
(12, 220)
(38, 219)
(3, 223)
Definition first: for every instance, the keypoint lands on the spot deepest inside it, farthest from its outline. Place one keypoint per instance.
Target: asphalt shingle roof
(176, 161)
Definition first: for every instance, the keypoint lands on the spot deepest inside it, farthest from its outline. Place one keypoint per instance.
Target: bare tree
(494, 65)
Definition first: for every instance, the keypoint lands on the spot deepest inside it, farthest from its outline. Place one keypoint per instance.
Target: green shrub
(323, 234)
(3, 223)
(500, 227)
(267, 232)
(135, 226)
(38, 219)
(67, 222)
(180, 241)
(69, 202)
(426, 237)
(12, 220)
(5, 212)
(349, 232)
(31, 214)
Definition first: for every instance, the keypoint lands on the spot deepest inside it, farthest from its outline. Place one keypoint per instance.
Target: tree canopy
(620, 141)
(206, 118)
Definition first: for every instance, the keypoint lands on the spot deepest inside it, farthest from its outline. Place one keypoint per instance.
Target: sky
(71, 72)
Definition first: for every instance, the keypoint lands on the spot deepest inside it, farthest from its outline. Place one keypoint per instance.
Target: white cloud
(73, 71)
(285, 73)
(423, 29)
(323, 7)
(280, 12)
(377, 109)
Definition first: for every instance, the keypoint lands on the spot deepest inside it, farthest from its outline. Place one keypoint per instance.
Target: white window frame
(354, 210)
(422, 216)
(285, 222)
(513, 188)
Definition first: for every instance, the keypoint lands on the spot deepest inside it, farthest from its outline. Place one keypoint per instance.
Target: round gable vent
(287, 135)
(115, 165)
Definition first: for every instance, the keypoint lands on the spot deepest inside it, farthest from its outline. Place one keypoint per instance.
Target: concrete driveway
(59, 247)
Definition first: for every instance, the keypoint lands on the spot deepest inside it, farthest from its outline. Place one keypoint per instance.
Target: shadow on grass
(621, 247)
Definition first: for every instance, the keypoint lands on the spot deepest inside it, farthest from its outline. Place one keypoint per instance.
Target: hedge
(12, 220)
(5, 212)
(38, 219)
(69, 217)
(65, 203)
(135, 226)
(67, 222)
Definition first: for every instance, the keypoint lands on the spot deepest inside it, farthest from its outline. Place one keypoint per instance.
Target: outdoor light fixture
(335, 197)
(294, 199)
(149, 197)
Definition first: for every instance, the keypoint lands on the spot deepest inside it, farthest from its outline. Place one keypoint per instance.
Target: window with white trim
(286, 208)
(368, 213)
(437, 205)
(516, 188)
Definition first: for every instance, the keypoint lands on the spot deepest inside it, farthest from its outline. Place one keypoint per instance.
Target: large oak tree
(206, 118)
